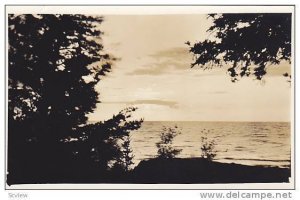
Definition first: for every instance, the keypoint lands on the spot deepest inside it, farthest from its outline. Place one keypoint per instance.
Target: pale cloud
(154, 69)
(165, 61)
(180, 53)
(171, 104)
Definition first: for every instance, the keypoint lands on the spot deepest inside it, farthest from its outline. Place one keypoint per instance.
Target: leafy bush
(165, 149)
(207, 147)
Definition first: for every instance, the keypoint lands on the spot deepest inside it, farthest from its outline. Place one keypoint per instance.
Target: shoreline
(166, 171)
(199, 170)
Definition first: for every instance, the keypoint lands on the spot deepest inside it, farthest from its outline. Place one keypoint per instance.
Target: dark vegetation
(247, 43)
(164, 146)
(54, 63)
(201, 170)
(207, 148)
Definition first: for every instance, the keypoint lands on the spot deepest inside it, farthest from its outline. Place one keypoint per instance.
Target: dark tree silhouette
(165, 149)
(125, 160)
(103, 138)
(245, 42)
(54, 63)
(49, 58)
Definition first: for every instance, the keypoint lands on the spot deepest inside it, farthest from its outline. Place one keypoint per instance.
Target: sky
(153, 74)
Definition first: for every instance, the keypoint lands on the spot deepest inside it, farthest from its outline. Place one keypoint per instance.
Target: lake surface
(250, 143)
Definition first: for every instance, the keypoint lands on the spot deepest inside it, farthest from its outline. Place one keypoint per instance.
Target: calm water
(251, 143)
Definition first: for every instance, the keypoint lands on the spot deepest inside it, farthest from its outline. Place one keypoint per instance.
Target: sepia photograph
(168, 97)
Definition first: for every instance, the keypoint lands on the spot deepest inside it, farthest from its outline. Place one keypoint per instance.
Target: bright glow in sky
(154, 75)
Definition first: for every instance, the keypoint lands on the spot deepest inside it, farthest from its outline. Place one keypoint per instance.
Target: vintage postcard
(150, 97)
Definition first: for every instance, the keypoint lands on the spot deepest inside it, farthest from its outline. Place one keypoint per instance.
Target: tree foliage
(54, 63)
(108, 141)
(248, 43)
(165, 148)
(49, 57)
(125, 160)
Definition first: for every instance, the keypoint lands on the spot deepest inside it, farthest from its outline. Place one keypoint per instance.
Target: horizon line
(203, 121)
